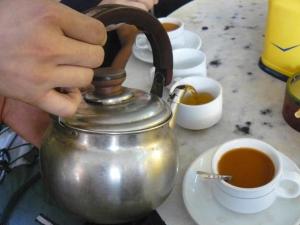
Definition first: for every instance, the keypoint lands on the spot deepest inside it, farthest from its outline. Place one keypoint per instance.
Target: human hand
(45, 45)
(142, 4)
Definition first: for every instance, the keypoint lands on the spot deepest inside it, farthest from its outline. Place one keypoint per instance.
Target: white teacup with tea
(175, 31)
(258, 176)
(201, 107)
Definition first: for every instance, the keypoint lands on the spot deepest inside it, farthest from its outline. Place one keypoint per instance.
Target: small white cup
(188, 62)
(197, 117)
(253, 200)
(176, 36)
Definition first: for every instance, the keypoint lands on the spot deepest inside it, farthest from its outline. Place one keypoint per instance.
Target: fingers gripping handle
(157, 36)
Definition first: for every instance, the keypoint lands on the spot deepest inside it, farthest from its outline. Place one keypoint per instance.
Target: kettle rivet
(74, 133)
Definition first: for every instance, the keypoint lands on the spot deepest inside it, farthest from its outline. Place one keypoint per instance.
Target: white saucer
(191, 39)
(205, 210)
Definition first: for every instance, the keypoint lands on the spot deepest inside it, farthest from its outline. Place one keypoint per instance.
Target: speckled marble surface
(232, 35)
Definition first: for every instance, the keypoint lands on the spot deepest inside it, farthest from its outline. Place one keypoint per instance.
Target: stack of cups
(188, 59)
(189, 68)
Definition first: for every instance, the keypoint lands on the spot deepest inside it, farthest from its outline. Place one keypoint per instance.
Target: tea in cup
(201, 107)
(257, 174)
(175, 29)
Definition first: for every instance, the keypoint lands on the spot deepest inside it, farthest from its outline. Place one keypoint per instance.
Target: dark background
(163, 8)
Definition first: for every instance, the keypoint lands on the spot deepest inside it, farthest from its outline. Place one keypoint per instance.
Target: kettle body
(281, 51)
(109, 178)
(115, 160)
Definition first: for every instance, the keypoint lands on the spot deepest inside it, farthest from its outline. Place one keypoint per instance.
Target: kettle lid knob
(107, 86)
(107, 81)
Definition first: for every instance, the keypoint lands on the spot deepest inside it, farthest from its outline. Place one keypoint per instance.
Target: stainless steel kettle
(116, 159)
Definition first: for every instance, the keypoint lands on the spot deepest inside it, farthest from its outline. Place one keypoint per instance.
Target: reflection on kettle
(116, 159)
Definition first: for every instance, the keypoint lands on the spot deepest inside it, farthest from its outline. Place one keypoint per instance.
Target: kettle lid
(111, 108)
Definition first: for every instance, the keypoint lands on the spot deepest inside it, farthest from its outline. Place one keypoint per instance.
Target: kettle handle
(156, 34)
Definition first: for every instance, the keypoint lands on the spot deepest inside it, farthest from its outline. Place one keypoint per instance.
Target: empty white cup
(188, 62)
(253, 200)
(197, 117)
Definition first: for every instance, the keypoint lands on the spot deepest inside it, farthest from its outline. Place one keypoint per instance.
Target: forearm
(26, 120)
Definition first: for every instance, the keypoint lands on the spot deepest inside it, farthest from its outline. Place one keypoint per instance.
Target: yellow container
(281, 53)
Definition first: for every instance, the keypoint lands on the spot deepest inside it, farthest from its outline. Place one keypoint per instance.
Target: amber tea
(170, 26)
(192, 97)
(248, 167)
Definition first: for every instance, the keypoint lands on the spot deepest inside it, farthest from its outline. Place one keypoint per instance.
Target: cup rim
(172, 19)
(173, 34)
(236, 188)
(219, 95)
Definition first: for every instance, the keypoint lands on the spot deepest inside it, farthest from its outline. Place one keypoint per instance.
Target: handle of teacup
(154, 31)
(284, 189)
(141, 42)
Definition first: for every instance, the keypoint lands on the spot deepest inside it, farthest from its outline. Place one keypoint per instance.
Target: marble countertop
(232, 32)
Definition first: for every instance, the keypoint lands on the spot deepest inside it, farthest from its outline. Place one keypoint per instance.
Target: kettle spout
(174, 100)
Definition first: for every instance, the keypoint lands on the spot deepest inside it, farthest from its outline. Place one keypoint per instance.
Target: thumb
(61, 104)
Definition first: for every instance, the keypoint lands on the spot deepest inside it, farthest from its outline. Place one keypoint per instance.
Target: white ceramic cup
(176, 36)
(285, 184)
(197, 117)
(186, 62)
